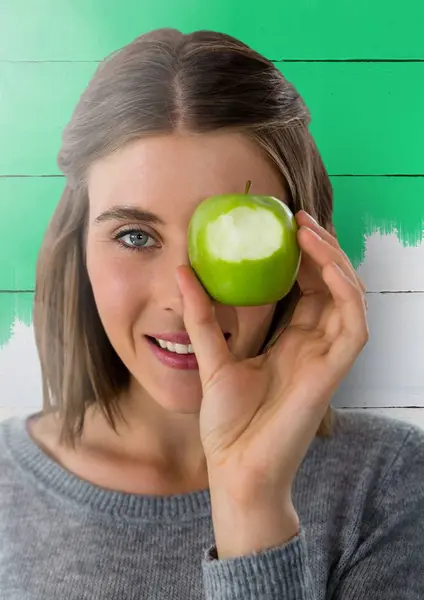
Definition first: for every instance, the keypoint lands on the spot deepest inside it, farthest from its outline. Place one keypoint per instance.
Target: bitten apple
(244, 248)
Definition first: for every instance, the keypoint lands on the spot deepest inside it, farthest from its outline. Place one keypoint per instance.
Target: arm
(260, 552)
(280, 573)
(387, 561)
(384, 561)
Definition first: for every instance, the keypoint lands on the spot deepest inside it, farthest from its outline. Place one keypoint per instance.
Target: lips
(181, 337)
(186, 362)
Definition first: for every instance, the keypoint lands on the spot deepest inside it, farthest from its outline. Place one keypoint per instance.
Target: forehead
(171, 174)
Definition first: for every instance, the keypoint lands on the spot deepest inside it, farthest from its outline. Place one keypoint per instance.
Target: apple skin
(246, 282)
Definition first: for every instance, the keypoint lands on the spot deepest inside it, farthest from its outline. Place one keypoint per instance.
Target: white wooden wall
(366, 96)
(388, 377)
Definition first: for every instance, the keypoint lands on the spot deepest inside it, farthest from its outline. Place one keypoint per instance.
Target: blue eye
(135, 239)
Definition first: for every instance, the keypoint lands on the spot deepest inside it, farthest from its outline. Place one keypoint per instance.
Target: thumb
(206, 337)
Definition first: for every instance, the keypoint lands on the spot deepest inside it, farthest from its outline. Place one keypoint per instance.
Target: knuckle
(364, 336)
(361, 284)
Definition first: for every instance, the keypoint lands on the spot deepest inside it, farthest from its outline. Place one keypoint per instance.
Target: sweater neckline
(54, 478)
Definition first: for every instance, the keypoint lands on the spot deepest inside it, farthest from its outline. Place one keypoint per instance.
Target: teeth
(177, 348)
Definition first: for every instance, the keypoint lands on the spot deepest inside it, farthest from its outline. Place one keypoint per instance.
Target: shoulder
(358, 432)
(367, 459)
(17, 452)
(13, 487)
(369, 478)
(11, 430)
(376, 459)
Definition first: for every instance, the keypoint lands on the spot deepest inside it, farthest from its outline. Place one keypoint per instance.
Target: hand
(259, 416)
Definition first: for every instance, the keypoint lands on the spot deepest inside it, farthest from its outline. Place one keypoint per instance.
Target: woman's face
(141, 201)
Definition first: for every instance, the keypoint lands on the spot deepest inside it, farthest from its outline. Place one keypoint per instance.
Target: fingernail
(314, 233)
(178, 278)
(310, 217)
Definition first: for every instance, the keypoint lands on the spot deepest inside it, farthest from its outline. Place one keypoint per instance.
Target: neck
(169, 440)
(153, 450)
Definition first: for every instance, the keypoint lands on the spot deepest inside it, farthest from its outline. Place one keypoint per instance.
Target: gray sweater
(359, 496)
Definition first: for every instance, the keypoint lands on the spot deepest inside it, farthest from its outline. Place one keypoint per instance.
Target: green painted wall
(359, 66)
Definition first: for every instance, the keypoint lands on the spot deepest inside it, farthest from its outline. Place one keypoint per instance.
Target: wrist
(245, 528)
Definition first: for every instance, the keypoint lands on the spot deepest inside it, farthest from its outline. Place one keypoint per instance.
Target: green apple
(244, 248)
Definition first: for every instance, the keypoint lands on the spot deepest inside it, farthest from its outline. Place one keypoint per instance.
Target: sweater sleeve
(386, 559)
(280, 573)
(383, 560)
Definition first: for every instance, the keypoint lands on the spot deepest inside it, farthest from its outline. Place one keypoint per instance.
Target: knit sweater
(359, 495)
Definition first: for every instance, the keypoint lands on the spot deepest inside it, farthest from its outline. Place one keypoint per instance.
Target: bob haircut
(162, 82)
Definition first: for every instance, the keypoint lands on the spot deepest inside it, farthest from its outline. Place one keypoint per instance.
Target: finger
(304, 218)
(209, 344)
(316, 296)
(354, 332)
(316, 253)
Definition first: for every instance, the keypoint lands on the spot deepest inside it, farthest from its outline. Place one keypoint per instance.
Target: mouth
(175, 348)
(173, 355)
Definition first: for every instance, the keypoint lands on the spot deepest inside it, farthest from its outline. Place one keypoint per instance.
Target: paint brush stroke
(14, 308)
(385, 205)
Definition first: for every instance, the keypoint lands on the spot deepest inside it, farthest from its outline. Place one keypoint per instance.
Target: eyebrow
(128, 213)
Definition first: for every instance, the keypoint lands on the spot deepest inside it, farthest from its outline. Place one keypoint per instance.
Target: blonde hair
(162, 82)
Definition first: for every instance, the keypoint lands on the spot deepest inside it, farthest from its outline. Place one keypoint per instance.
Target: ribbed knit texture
(359, 496)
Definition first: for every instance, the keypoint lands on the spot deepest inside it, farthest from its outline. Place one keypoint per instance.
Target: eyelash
(122, 232)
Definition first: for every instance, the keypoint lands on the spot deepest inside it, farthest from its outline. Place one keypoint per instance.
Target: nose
(167, 295)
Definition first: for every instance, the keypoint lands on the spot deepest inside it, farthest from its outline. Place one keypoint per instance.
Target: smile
(175, 355)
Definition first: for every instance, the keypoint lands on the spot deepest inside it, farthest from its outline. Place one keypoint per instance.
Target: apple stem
(248, 184)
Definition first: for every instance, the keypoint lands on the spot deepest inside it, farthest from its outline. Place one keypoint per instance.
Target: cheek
(115, 282)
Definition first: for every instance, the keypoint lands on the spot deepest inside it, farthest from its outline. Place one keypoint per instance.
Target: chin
(176, 392)
(179, 403)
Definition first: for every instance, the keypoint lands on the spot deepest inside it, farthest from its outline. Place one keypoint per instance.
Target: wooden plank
(389, 372)
(379, 222)
(19, 366)
(387, 375)
(36, 101)
(357, 115)
(26, 208)
(355, 111)
(90, 29)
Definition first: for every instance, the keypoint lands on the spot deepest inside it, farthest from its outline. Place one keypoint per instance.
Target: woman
(226, 474)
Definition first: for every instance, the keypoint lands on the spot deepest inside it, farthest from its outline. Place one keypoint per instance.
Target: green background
(359, 67)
